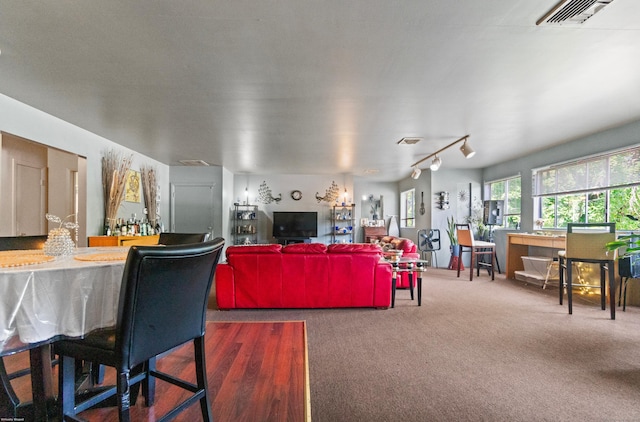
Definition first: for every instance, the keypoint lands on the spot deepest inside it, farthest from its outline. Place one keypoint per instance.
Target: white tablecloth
(63, 297)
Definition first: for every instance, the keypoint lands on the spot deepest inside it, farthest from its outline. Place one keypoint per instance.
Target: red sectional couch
(409, 250)
(303, 275)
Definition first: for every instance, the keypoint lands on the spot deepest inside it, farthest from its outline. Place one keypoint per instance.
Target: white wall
(22, 120)
(453, 181)
(282, 185)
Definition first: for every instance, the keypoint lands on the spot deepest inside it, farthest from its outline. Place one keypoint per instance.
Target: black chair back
(9, 400)
(9, 243)
(163, 299)
(182, 238)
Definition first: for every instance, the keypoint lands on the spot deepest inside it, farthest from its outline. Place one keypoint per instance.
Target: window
(603, 188)
(408, 209)
(507, 190)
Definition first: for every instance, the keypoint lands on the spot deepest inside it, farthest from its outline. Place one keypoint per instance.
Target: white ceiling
(323, 86)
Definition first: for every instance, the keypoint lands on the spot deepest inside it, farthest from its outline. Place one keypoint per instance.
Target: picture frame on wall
(132, 187)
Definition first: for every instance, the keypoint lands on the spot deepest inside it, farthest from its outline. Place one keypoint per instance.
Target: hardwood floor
(257, 371)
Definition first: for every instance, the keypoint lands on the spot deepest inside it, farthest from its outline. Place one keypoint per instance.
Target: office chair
(163, 303)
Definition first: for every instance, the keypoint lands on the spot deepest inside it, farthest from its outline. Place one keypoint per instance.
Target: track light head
(436, 163)
(467, 150)
(416, 173)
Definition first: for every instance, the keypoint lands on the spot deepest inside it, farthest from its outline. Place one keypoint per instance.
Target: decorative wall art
(132, 187)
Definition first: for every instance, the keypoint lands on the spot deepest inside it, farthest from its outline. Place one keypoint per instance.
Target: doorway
(192, 208)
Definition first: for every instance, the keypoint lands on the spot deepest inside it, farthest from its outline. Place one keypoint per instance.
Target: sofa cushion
(386, 239)
(253, 249)
(353, 248)
(403, 244)
(305, 248)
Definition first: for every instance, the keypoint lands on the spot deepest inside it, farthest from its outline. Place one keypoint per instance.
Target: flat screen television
(295, 224)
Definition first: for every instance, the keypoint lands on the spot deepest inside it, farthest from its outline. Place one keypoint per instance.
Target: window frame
(509, 216)
(408, 209)
(586, 195)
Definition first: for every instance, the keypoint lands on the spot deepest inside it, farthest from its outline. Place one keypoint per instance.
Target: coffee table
(410, 266)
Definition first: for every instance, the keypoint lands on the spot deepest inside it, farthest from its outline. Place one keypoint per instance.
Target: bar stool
(586, 243)
(8, 398)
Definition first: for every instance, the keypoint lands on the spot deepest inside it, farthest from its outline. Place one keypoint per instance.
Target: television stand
(290, 240)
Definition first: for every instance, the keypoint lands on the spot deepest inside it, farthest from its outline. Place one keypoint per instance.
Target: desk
(407, 265)
(518, 246)
(43, 302)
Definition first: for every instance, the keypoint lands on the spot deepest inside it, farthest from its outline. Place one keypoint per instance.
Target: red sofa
(303, 275)
(409, 250)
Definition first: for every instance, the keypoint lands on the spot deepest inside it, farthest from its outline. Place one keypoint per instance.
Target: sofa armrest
(225, 286)
(382, 285)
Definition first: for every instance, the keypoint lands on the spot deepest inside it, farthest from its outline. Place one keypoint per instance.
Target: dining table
(44, 299)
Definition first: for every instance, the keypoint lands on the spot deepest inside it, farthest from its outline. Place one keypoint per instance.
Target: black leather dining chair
(9, 400)
(164, 239)
(182, 238)
(163, 303)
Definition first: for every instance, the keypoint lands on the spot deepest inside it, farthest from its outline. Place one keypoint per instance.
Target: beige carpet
(474, 351)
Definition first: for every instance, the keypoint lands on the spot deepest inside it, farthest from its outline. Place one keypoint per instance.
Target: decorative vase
(59, 243)
(455, 257)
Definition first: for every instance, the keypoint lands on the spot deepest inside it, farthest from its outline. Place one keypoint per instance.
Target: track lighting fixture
(435, 164)
(437, 161)
(467, 150)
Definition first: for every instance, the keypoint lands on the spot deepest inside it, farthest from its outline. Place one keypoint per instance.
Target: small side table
(411, 266)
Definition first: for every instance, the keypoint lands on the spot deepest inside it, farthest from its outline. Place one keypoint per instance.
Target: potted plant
(451, 232)
(455, 247)
(629, 244)
(626, 245)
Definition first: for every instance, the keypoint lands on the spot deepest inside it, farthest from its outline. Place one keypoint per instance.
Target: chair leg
(8, 397)
(612, 288)
(459, 261)
(603, 288)
(123, 396)
(569, 288)
(493, 262)
(561, 269)
(149, 384)
(201, 376)
(471, 265)
(97, 373)
(623, 291)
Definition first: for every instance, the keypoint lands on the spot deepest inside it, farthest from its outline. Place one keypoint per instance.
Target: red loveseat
(409, 250)
(303, 275)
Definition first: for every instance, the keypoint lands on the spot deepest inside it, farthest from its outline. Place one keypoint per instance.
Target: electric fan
(429, 241)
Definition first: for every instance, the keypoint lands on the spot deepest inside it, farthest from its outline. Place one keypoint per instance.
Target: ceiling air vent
(193, 163)
(572, 12)
(409, 141)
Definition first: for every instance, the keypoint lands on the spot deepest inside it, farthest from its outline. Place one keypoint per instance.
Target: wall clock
(296, 195)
